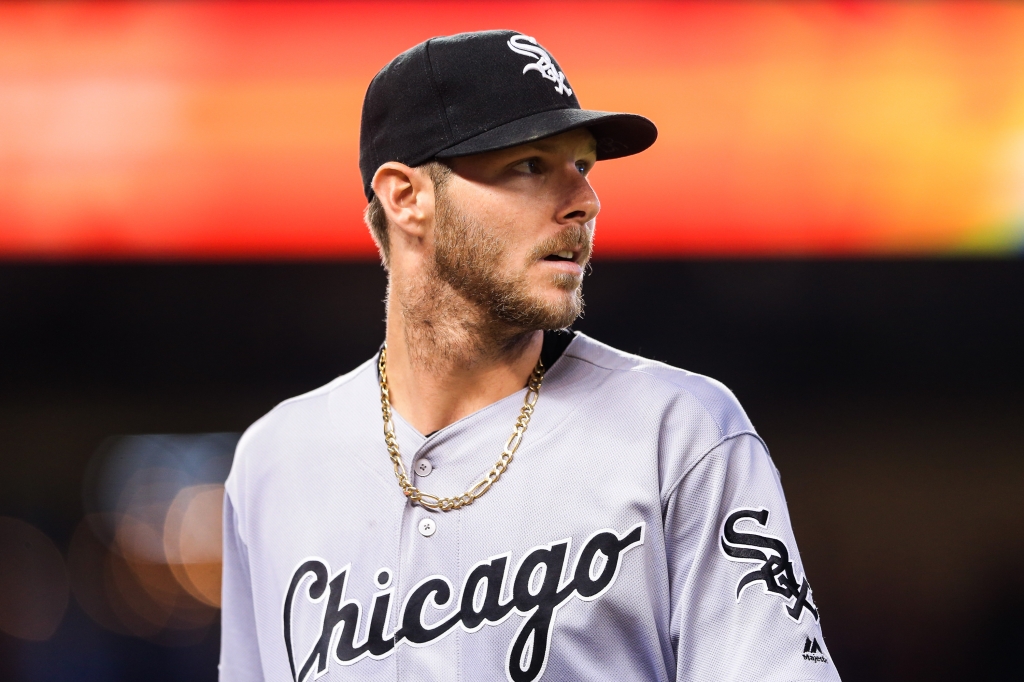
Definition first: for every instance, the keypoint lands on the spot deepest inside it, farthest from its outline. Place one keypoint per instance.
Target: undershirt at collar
(555, 343)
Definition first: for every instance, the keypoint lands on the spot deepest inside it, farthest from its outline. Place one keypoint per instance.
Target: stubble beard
(467, 305)
(469, 259)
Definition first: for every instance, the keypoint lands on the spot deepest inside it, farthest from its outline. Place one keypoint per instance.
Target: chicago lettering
(535, 591)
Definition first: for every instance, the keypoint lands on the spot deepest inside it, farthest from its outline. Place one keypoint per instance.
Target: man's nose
(581, 204)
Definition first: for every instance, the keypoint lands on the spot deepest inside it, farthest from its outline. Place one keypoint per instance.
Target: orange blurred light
(146, 559)
(131, 595)
(87, 565)
(192, 540)
(230, 129)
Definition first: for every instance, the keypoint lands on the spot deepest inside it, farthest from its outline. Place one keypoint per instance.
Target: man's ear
(407, 196)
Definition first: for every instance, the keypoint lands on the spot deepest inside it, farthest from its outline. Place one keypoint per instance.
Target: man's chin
(557, 310)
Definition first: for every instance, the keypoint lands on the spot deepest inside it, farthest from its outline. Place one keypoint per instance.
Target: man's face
(514, 229)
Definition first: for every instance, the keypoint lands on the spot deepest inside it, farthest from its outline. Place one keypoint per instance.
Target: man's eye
(528, 166)
(583, 167)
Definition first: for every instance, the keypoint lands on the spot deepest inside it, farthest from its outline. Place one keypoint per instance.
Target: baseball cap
(479, 92)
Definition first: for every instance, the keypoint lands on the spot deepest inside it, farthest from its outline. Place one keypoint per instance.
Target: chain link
(485, 483)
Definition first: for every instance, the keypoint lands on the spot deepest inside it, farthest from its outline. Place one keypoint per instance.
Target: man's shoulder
(305, 417)
(660, 383)
(312, 404)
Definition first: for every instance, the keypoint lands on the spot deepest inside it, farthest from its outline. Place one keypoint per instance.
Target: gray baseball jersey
(641, 533)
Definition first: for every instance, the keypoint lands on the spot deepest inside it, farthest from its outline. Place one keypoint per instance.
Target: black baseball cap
(479, 92)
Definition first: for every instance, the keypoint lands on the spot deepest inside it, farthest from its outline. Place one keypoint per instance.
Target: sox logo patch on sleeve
(775, 572)
(489, 595)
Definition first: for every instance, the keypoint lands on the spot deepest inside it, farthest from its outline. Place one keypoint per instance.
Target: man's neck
(447, 359)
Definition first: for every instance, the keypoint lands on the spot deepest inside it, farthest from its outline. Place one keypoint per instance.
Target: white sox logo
(537, 592)
(776, 570)
(525, 45)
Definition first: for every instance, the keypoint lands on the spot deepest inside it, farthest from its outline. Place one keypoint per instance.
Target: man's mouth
(562, 256)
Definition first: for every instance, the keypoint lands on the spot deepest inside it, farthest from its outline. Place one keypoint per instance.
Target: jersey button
(423, 467)
(427, 527)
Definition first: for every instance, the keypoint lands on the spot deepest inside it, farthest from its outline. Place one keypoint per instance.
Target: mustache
(570, 239)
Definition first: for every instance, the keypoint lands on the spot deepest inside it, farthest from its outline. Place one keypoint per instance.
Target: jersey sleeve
(239, 647)
(742, 607)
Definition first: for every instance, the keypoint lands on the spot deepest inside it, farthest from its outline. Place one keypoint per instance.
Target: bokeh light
(146, 559)
(192, 541)
(33, 582)
(230, 129)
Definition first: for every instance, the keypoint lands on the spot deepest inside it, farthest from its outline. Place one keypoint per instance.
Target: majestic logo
(812, 651)
(525, 45)
(537, 592)
(776, 570)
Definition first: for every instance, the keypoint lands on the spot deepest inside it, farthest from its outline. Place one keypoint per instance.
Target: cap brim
(617, 135)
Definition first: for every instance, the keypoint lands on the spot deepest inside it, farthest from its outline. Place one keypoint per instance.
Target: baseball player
(493, 496)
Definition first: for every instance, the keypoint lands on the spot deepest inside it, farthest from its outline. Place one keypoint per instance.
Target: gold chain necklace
(485, 483)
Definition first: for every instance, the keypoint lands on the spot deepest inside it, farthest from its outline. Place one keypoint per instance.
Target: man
(493, 496)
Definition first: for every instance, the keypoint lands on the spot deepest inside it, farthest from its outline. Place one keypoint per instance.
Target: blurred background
(831, 223)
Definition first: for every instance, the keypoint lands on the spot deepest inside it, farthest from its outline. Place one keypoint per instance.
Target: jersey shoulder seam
(326, 388)
(663, 380)
(318, 392)
(671, 490)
